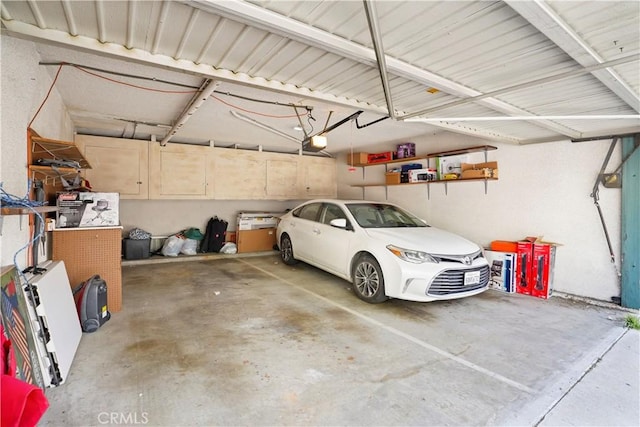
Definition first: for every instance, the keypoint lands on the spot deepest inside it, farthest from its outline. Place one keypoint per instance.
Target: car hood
(427, 239)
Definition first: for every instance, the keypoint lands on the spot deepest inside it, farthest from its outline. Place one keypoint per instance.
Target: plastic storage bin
(136, 249)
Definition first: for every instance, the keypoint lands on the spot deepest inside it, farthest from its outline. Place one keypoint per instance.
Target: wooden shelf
(437, 181)
(476, 149)
(44, 148)
(25, 211)
(50, 172)
(404, 160)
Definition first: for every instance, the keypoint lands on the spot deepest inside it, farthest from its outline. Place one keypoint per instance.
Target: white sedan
(383, 250)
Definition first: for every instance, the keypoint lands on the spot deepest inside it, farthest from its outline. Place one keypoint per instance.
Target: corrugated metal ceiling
(321, 53)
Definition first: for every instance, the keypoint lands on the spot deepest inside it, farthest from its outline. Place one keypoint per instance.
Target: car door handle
(316, 231)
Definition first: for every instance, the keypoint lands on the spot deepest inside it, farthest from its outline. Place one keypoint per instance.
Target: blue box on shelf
(409, 166)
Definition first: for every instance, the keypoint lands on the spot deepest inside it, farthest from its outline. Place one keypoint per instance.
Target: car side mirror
(338, 223)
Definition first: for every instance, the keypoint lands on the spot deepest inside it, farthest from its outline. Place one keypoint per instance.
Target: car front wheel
(286, 250)
(368, 282)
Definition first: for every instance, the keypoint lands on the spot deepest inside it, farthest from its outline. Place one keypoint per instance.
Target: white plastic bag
(189, 247)
(172, 246)
(229, 248)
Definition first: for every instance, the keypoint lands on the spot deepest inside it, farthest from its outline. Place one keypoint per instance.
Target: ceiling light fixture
(319, 141)
(315, 143)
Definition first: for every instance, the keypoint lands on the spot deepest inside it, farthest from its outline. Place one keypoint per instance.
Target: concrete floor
(250, 341)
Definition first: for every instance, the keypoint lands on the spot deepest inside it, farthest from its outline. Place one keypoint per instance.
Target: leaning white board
(55, 309)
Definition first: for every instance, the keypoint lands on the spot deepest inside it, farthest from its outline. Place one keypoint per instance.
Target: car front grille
(452, 282)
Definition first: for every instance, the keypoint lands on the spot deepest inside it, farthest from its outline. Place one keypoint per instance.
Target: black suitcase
(214, 236)
(91, 301)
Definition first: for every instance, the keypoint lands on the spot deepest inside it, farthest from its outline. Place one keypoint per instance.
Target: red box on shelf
(387, 156)
(524, 254)
(542, 269)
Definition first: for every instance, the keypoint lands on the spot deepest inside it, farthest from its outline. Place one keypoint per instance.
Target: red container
(543, 258)
(387, 156)
(524, 263)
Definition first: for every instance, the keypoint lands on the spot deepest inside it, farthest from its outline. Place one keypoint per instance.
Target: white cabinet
(145, 170)
(118, 165)
(180, 171)
(282, 177)
(318, 177)
(239, 174)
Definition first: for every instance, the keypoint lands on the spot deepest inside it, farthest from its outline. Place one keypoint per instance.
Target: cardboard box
(392, 178)
(380, 157)
(357, 159)
(417, 175)
(504, 246)
(544, 256)
(450, 165)
(257, 220)
(503, 270)
(479, 170)
(256, 240)
(85, 209)
(406, 150)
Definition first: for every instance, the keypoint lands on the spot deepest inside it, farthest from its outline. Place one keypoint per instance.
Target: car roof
(344, 201)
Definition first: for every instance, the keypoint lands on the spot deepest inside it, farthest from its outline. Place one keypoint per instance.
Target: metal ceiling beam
(131, 24)
(250, 14)
(102, 35)
(206, 90)
(549, 23)
(37, 14)
(68, 14)
(187, 32)
(376, 38)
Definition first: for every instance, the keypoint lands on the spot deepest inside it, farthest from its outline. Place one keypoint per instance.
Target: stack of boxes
(525, 267)
(406, 150)
(256, 231)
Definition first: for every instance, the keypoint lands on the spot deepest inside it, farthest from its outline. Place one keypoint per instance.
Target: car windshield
(380, 215)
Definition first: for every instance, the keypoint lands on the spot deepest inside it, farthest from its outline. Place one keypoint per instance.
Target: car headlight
(416, 257)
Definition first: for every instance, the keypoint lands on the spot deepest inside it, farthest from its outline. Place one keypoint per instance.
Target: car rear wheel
(286, 250)
(368, 282)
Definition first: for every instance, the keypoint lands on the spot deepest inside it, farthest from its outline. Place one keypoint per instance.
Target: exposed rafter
(549, 23)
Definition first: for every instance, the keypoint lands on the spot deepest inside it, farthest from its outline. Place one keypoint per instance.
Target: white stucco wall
(165, 217)
(543, 190)
(24, 85)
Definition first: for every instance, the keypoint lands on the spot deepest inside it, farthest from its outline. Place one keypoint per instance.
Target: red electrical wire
(149, 89)
(46, 97)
